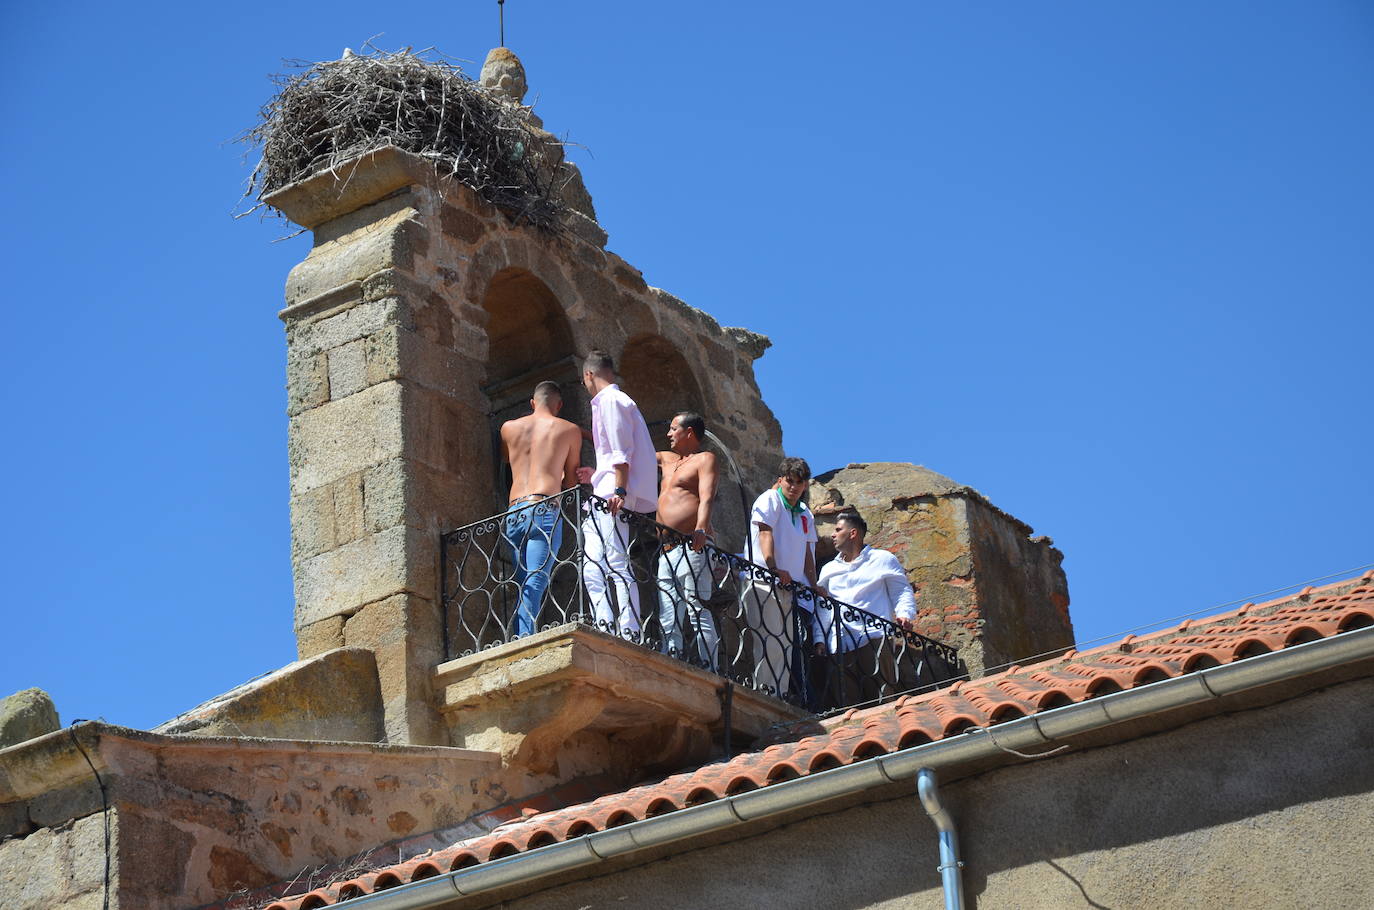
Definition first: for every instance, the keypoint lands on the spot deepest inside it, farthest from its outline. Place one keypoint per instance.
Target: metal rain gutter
(1020, 734)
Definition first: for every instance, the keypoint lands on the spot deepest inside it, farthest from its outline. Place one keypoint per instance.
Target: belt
(674, 544)
(515, 502)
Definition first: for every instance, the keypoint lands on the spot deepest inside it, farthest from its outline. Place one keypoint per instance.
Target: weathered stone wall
(58, 867)
(421, 317)
(1020, 592)
(195, 820)
(983, 583)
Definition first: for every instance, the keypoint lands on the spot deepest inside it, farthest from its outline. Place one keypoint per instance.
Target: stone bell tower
(421, 318)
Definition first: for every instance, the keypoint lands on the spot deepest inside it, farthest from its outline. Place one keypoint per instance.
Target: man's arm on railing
(622, 478)
(766, 552)
(819, 633)
(900, 594)
(708, 475)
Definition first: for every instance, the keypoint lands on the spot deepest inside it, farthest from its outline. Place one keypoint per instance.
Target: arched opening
(528, 340)
(658, 377)
(527, 329)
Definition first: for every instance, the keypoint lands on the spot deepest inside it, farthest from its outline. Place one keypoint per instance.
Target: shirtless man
(690, 477)
(544, 452)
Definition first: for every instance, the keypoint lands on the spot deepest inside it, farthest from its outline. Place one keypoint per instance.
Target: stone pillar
(983, 583)
(387, 441)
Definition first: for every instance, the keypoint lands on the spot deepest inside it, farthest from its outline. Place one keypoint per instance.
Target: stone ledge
(528, 698)
(49, 779)
(335, 299)
(329, 697)
(196, 818)
(326, 195)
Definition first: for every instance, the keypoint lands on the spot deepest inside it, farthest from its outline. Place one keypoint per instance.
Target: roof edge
(1032, 731)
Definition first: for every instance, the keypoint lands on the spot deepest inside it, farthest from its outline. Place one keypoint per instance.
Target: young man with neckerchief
(782, 536)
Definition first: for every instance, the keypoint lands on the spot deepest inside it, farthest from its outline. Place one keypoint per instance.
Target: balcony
(712, 610)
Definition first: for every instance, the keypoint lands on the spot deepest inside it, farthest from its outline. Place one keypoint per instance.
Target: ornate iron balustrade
(565, 559)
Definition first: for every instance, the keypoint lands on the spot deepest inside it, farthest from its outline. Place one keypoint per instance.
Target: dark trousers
(862, 674)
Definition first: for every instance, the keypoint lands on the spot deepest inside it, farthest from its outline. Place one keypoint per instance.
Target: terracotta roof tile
(909, 721)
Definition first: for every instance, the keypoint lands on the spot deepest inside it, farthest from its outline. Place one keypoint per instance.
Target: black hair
(852, 518)
(599, 362)
(689, 420)
(795, 467)
(547, 390)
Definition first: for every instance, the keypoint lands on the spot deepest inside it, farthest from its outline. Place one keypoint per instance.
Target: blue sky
(1108, 263)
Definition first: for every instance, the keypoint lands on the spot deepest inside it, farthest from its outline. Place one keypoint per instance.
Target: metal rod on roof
(501, 11)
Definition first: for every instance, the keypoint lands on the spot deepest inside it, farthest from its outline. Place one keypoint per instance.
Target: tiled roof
(910, 721)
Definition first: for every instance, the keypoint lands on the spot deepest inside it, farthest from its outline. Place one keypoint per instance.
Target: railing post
(579, 551)
(443, 596)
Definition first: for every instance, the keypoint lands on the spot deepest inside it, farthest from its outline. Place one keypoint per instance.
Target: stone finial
(25, 715)
(504, 74)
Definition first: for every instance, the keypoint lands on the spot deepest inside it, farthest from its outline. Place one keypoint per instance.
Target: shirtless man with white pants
(690, 477)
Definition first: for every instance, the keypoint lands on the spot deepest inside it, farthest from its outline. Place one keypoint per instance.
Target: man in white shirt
(863, 664)
(782, 537)
(626, 476)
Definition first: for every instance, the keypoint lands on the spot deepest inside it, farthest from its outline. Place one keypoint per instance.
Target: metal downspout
(926, 788)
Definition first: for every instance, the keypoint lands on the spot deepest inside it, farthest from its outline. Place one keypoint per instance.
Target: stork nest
(325, 114)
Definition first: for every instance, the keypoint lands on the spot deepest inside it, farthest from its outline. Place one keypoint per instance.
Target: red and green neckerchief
(796, 511)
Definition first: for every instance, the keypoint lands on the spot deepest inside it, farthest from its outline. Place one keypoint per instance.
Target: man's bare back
(543, 451)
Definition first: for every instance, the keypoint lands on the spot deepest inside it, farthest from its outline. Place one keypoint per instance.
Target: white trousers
(768, 616)
(684, 587)
(606, 566)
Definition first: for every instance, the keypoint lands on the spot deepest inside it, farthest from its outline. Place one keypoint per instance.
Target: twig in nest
(326, 114)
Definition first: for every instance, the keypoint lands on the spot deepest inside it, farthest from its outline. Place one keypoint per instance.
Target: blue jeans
(533, 533)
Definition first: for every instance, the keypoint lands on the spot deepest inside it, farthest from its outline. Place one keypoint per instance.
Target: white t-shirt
(620, 436)
(793, 535)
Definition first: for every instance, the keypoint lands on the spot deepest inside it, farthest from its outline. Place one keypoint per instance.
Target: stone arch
(658, 377)
(529, 339)
(654, 372)
(527, 328)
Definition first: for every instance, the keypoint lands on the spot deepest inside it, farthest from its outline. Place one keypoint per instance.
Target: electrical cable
(104, 803)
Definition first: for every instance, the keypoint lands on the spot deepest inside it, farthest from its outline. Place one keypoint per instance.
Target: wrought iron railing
(565, 558)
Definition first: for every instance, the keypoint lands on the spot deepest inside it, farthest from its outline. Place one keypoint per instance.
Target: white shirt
(620, 436)
(792, 537)
(873, 581)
